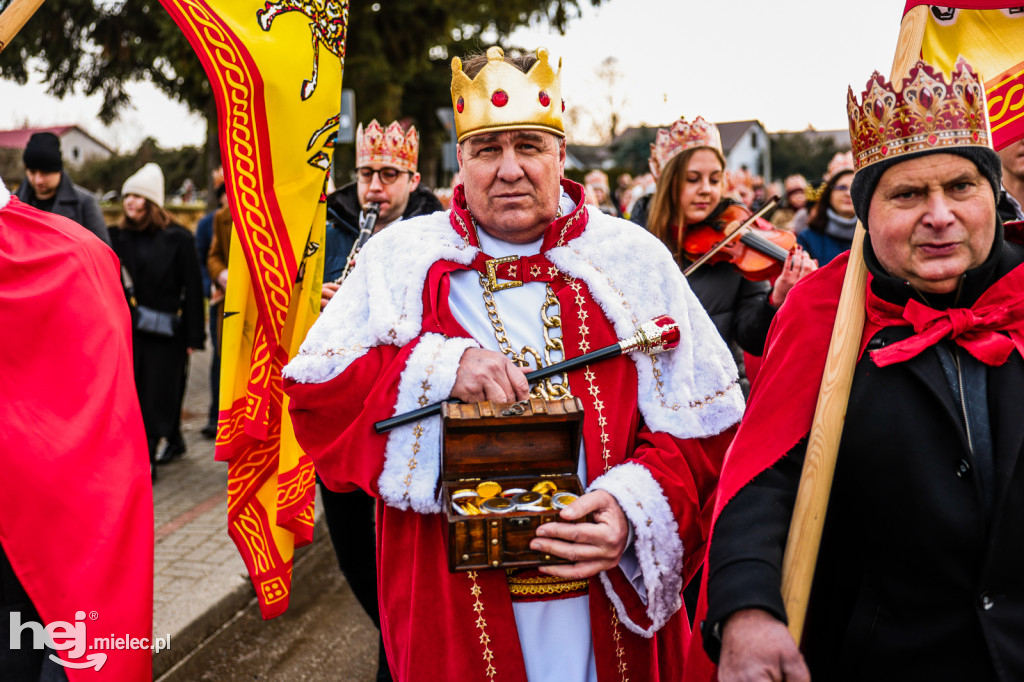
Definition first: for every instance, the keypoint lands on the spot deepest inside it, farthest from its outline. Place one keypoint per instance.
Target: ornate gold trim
(481, 625)
(620, 652)
(418, 429)
(580, 210)
(544, 585)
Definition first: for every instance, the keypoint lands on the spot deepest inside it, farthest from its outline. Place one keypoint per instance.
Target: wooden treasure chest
(506, 468)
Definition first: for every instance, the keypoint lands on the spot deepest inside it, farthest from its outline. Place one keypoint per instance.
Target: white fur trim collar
(690, 392)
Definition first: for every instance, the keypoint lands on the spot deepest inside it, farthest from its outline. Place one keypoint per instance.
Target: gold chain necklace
(546, 388)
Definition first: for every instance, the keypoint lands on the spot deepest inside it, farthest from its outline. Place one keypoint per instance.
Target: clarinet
(365, 232)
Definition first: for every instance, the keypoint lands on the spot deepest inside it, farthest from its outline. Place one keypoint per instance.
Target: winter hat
(42, 153)
(866, 179)
(148, 183)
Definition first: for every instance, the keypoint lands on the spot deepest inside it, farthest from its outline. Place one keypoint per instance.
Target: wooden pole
(805, 530)
(14, 17)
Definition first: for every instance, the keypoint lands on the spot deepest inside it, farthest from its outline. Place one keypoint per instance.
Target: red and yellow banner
(990, 36)
(275, 69)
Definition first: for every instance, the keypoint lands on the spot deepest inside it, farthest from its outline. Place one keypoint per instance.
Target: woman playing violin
(688, 161)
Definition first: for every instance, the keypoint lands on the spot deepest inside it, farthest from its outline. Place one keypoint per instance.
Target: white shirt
(554, 635)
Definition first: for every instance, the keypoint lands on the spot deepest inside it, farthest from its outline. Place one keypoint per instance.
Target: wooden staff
(14, 17)
(823, 444)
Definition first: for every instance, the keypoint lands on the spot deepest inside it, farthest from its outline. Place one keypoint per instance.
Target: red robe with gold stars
(654, 433)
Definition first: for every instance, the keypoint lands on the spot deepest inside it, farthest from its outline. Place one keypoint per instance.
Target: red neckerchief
(524, 269)
(989, 330)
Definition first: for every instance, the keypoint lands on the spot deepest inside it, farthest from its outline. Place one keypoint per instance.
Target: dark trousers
(26, 663)
(351, 519)
(216, 311)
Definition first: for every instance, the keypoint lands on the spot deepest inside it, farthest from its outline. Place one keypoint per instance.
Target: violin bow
(801, 556)
(730, 237)
(652, 337)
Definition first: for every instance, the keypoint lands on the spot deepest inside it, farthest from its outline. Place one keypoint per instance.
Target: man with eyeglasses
(386, 175)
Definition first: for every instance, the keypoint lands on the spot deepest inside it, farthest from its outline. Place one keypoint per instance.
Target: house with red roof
(76, 145)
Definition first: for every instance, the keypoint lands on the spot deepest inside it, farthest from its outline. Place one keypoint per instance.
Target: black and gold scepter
(652, 337)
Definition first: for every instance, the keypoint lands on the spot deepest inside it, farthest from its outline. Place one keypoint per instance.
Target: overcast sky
(786, 63)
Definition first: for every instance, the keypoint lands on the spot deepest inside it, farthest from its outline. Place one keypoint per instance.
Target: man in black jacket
(1012, 196)
(918, 575)
(385, 174)
(48, 187)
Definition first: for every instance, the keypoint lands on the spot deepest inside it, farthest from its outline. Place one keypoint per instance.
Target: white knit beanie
(148, 183)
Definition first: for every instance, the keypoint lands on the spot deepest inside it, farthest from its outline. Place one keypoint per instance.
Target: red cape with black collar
(76, 502)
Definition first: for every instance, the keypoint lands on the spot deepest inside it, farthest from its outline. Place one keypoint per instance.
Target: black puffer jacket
(343, 223)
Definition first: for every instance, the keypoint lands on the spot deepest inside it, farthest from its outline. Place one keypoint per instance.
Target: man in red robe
(76, 502)
(918, 576)
(420, 320)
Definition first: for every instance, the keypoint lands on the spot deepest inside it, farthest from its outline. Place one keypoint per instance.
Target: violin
(755, 247)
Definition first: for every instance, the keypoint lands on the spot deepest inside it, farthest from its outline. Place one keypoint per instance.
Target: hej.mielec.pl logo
(61, 635)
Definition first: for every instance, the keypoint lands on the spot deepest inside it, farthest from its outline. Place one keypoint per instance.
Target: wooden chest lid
(490, 439)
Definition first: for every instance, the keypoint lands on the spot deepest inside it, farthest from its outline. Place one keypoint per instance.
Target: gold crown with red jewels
(927, 114)
(391, 147)
(501, 97)
(681, 136)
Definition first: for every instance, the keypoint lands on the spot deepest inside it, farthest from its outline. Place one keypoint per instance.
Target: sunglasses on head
(387, 175)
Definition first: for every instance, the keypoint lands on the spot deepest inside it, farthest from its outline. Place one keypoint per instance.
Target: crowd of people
(671, 556)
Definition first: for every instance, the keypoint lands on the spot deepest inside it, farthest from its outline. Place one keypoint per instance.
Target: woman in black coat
(160, 258)
(689, 191)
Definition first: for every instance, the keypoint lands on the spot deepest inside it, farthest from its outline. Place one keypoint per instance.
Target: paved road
(324, 635)
(204, 599)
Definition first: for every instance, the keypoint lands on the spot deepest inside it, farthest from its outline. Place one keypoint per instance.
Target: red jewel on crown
(928, 111)
(544, 99)
(499, 98)
(460, 105)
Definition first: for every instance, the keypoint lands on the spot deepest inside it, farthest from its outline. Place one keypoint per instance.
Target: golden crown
(681, 136)
(927, 114)
(813, 193)
(502, 97)
(392, 147)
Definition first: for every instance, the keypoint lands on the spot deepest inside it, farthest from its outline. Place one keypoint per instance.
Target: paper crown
(502, 97)
(927, 114)
(392, 147)
(681, 136)
(733, 179)
(841, 161)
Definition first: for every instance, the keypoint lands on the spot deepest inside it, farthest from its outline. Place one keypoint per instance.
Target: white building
(76, 145)
(745, 144)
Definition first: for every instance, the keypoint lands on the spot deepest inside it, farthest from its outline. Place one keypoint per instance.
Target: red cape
(781, 404)
(76, 502)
